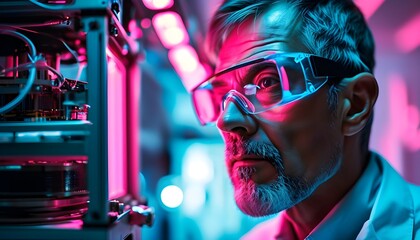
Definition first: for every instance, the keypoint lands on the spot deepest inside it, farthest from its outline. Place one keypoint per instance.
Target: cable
(32, 71)
(39, 64)
(60, 76)
(71, 51)
(43, 24)
(36, 62)
(24, 66)
(46, 6)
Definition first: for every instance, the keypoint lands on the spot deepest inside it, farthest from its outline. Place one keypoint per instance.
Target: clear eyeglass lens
(259, 84)
(255, 87)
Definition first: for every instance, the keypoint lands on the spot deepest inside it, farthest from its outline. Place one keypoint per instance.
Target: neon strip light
(408, 36)
(368, 7)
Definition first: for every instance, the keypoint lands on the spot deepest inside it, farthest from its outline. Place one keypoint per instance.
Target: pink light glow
(73, 224)
(117, 154)
(207, 110)
(368, 7)
(133, 137)
(146, 23)
(185, 61)
(58, 2)
(135, 30)
(158, 4)
(284, 79)
(407, 37)
(405, 118)
(411, 137)
(170, 29)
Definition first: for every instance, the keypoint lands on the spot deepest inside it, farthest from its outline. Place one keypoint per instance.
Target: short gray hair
(334, 29)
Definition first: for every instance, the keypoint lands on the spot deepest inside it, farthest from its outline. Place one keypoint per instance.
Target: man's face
(277, 158)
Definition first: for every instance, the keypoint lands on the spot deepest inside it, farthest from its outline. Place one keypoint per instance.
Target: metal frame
(97, 224)
(97, 143)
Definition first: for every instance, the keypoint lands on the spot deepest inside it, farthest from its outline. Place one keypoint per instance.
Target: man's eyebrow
(218, 82)
(255, 69)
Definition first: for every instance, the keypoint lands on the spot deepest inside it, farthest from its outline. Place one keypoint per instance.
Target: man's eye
(267, 82)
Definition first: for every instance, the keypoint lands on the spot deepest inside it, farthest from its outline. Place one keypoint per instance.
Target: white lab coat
(381, 205)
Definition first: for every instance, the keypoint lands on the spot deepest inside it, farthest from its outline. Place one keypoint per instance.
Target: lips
(248, 161)
(263, 170)
(252, 153)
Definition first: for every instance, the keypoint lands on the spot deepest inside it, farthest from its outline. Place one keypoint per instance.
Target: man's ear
(360, 94)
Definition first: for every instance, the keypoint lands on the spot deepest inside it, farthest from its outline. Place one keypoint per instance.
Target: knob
(142, 215)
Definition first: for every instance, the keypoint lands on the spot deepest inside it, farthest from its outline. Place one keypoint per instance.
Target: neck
(306, 215)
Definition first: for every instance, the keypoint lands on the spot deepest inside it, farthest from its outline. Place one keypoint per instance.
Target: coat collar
(393, 211)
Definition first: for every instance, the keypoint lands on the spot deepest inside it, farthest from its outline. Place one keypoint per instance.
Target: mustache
(236, 147)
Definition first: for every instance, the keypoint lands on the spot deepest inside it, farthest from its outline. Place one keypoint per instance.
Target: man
(293, 96)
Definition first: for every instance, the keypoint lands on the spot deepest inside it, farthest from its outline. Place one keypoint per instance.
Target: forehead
(273, 31)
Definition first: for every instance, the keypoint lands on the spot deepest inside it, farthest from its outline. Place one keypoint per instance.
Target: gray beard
(286, 191)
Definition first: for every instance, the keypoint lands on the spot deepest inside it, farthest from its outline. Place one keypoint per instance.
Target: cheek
(306, 137)
(305, 151)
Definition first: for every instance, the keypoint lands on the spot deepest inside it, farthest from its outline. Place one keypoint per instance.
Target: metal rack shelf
(81, 140)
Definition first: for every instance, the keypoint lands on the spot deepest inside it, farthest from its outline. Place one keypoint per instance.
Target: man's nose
(235, 120)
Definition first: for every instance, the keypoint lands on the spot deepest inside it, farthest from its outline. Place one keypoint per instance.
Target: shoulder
(393, 180)
(408, 196)
(415, 191)
(265, 230)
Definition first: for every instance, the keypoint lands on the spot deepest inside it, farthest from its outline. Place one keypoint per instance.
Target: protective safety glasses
(262, 84)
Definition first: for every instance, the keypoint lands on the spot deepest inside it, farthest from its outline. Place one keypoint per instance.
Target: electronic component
(69, 121)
